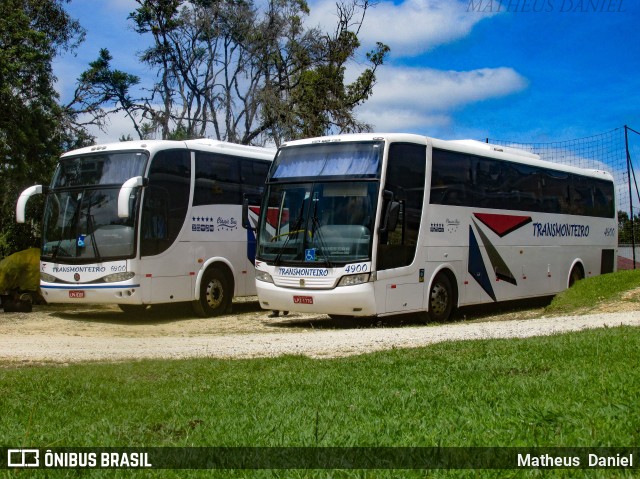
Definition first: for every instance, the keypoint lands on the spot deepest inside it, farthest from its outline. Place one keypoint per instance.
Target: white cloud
(117, 125)
(409, 28)
(411, 99)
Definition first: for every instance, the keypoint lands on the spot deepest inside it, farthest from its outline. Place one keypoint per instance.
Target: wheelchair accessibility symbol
(310, 254)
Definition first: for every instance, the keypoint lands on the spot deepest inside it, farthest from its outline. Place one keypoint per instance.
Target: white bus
(148, 222)
(381, 224)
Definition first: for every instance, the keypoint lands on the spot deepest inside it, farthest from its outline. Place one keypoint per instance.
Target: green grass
(578, 389)
(572, 390)
(588, 294)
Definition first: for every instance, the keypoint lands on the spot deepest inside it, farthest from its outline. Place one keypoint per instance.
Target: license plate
(76, 294)
(303, 299)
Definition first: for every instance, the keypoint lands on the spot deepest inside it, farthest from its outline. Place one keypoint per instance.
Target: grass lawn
(572, 390)
(578, 389)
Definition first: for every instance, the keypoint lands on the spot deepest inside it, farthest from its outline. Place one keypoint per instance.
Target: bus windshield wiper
(323, 246)
(92, 234)
(57, 249)
(317, 229)
(295, 231)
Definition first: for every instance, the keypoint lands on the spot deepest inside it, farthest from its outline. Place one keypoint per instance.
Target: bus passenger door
(400, 276)
(164, 258)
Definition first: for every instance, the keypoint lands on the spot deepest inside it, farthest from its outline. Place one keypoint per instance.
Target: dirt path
(63, 334)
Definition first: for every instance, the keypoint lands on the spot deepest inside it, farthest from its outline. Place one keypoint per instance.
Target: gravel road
(64, 335)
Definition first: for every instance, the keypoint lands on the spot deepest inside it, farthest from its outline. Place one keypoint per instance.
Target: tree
(32, 125)
(242, 72)
(98, 86)
(625, 228)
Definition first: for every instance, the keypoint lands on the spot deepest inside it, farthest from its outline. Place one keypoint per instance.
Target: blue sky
(520, 70)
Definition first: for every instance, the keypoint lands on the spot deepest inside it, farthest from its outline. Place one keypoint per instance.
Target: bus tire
(441, 298)
(133, 308)
(577, 273)
(215, 294)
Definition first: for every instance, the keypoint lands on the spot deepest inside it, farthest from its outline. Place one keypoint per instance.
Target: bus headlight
(264, 276)
(47, 278)
(116, 277)
(354, 279)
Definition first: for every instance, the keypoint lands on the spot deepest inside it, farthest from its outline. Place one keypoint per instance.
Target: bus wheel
(215, 294)
(440, 298)
(133, 308)
(576, 275)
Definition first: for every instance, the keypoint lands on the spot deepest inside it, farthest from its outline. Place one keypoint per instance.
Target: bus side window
(253, 174)
(217, 180)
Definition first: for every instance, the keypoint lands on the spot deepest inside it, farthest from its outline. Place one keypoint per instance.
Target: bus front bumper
(355, 300)
(91, 294)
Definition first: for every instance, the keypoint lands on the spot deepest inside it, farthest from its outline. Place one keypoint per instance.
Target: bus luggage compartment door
(404, 297)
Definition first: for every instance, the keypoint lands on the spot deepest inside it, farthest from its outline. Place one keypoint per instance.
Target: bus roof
(202, 144)
(473, 147)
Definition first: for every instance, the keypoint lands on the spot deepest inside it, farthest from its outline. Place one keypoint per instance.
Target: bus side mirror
(24, 197)
(246, 201)
(125, 193)
(390, 214)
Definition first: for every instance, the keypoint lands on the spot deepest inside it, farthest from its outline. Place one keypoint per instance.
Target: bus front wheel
(215, 294)
(441, 298)
(577, 274)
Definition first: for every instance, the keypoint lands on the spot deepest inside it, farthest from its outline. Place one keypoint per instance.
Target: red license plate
(76, 294)
(303, 299)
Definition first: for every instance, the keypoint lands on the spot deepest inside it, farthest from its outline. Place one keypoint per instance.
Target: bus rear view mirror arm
(391, 213)
(125, 194)
(24, 197)
(246, 201)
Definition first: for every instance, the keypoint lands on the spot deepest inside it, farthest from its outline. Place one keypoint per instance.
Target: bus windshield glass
(352, 159)
(99, 169)
(327, 223)
(81, 222)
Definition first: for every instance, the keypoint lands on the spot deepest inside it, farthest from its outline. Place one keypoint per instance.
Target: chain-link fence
(614, 152)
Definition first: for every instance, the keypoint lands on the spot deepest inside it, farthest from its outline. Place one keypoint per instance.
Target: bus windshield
(81, 220)
(329, 223)
(340, 159)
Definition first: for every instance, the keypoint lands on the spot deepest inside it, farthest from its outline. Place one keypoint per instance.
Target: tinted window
(217, 180)
(460, 179)
(357, 159)
(166, 201)
(222, 179)
(405, 179)
(253, 174)
(99, 169)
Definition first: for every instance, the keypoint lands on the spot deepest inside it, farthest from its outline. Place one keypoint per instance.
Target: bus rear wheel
(215, 294)
(441, 298)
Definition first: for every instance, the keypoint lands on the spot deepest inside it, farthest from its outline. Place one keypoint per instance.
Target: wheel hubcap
(439, 299)
(214, 294)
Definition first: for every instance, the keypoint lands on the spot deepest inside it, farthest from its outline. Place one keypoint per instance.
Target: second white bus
(381, 224)
(149, 222)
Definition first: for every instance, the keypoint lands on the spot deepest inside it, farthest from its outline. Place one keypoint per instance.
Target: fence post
(633, 229)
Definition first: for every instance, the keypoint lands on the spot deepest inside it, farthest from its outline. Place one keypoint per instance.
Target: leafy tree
(32, 125)
(101, 86)
(625, 228)
(240, 71)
